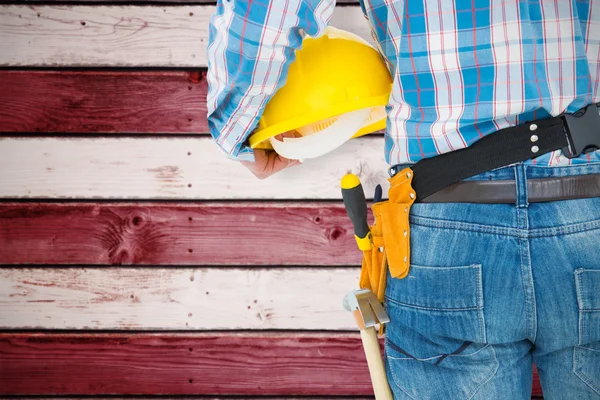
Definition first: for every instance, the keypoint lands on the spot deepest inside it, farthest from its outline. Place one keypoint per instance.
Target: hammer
(364, 305)
(368, 311)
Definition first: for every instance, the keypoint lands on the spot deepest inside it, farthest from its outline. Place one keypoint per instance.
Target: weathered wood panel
(176, 298)
(177, 234)
(44, 35)
(103, 101)
(172, 168)
(186, 364)
(183, 364)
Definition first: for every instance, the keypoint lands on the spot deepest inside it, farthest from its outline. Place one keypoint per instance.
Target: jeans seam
(470, 395)
(533, 233)
(585, 380)
(526, 276)
(391, 300)
(578, 292)
(566, 229)
(449, 355)
(463, 226)
(402, 390)
(475, 390)
(589, 349)
(554, 167)
(480, 314)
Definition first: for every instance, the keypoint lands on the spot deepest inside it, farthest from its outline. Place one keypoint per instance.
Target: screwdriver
(356, 207)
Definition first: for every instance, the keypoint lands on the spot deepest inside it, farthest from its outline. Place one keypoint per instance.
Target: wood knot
(335, 233)
(195, 77)
(136, 221)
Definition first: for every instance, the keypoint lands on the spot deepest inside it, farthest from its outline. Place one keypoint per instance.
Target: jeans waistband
(520, 173)
(531, 172)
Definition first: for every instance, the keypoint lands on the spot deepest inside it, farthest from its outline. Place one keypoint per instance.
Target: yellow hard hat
(334, 74)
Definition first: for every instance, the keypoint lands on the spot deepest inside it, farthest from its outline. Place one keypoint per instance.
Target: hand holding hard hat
(268, 162)
(337, 88)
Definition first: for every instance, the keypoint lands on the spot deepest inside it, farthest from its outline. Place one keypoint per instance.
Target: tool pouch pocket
(390, 236)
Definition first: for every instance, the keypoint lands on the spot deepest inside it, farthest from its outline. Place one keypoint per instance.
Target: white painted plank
(175, 298)
(35, 35)
(160, 168)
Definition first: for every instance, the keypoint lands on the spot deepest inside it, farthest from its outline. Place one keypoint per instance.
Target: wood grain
(172, 168)
(103, 101)
(183, 364)
(177, 234)
(279, 364)
(160, 36)
(176, 298)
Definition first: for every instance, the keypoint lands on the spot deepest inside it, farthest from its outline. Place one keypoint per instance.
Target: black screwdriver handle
(356, 207)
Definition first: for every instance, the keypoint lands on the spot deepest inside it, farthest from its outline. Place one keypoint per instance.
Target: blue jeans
(493, 288)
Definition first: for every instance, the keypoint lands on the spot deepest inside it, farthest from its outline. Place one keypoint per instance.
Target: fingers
(288, 134)
(267, 163)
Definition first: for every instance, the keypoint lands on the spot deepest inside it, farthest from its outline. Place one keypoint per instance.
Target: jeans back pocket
(440, 301)
(436, 341)
(586, 357)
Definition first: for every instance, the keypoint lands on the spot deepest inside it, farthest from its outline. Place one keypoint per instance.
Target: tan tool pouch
(391, 236)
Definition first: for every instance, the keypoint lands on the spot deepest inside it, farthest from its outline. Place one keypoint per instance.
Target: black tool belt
(574, 134)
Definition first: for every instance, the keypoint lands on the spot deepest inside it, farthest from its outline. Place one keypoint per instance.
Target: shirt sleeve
(251, 46)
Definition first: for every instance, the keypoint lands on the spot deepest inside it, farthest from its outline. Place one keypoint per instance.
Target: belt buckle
(583, 131)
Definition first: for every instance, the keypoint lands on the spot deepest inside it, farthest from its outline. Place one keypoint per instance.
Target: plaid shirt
(462, 69)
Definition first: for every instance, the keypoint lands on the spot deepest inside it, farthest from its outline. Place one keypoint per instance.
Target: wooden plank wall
(135, 259)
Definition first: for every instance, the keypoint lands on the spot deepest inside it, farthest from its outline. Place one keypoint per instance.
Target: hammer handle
(375, 362)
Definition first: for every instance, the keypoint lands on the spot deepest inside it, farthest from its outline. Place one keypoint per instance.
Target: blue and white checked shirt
(462, 69)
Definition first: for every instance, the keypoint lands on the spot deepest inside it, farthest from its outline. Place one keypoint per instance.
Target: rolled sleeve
(251, 46)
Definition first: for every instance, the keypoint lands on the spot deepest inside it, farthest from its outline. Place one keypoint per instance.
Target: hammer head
(366, 308)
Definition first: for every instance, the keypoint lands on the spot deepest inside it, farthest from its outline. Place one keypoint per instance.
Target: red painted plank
(103, 101)
(537, 386)
(272, 233)
(185, 364)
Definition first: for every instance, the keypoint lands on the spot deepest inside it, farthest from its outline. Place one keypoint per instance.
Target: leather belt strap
(505, 191)
(573, 133)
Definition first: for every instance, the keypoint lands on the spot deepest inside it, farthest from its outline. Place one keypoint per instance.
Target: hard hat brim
(260, 138)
